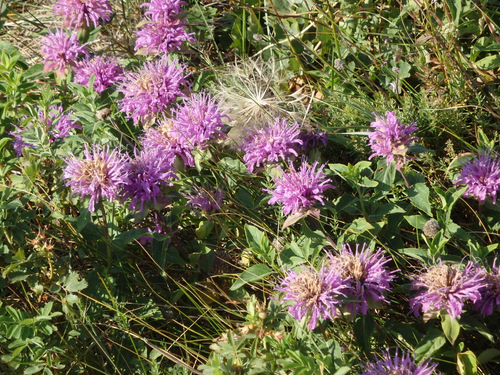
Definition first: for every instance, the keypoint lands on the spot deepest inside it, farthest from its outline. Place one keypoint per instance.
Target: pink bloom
(105, 70)
(398, 364)
(60, 51)
(391, 138)
(78, 13)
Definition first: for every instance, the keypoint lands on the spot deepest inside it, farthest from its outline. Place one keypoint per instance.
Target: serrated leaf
(71, 283)
(451, 327)
(252, 274)
(419, 197)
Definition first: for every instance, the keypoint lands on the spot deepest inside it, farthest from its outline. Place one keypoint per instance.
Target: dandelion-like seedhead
(299, 190)
(79, 13)
(315, 293)
(445, 286)
(61, 51)
(482, 176)
(105, 70)
(208, 200)
(162, 139)
(150, 91)
(252, 91)
(276, 142)
(365, 275)
(391, 139)
(149, 171)
(398, 365)
(198, 120)
(490, 292)
(100, 174)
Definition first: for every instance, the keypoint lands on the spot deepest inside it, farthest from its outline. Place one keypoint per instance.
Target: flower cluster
(391, 139)
(206, 200)
(100, 174)
(149, 91)
(60, 51)
(56, 124)
(198, 120)
(446, 286)
(482, 176)
(299, 190)
(398, 364)
(365, 276)
(163, 29)
(275, 142)
(106, 72)
(83, 13)
(148, 171)
(315, 293)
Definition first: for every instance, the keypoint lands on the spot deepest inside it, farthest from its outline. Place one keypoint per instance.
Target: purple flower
(482, 176)
(391, 138)
(446, 286)
(151, 90)
(490, 292)
(315, 293)
(299, 190)
(78, 13)
(105, 70)
(398, 364)
(162, 139)
(365, 276)
(100, 174)
(198, 120)
(60, 51)
(18, 142)
(206, 200)
(160, 9)
(312, 138)
(276, 142)
(150, 170)
(163, 30)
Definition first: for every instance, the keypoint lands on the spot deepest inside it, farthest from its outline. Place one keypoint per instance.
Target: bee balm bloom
(105, 70)
(365, 276)
(100, 174)
(78, 13)
(398, 364)
(391, 138)
(151, 90)
(60, 51)
(315, 294)
(490, 292)
(445, 286)
(299, 190)
(482, 176)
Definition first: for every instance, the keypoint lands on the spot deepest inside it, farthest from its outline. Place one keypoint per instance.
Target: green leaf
(489, 62)
(467, 363)
(431, 343)
(451, 327)
(488, 355)
(254, 236)
(419, 197)
(363, 328)
(252, 274)
(360, 225)
(71, 283)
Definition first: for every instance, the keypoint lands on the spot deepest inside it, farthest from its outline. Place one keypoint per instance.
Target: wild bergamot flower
(315, 293)
(198, 120)
(208, 200)
(60, 51)
(391, 139)
(149, 171)
(150, 91)
(105, 70)
(398, 365)
(365, 275)
(100, 174)
(490, 292)
(275, 142)
(482, 176)
(446, 286)
(78, 13)
(299, 190)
